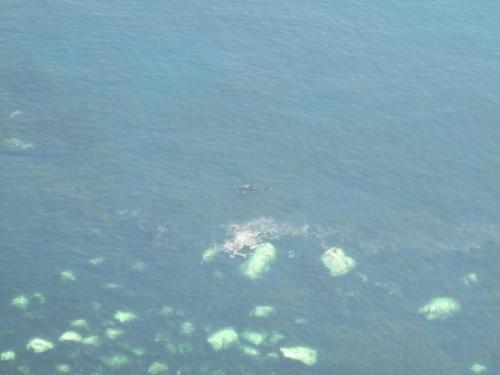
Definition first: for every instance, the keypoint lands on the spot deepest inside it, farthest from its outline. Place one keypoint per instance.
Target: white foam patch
(244, 237)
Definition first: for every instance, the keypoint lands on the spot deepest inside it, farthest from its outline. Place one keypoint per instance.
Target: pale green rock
(254, 337)
(167, 311)
(273, 355)
(337, 262)
(259, 262)
(96, 261)
(15, 114)
(223, 339)
(184, 348)
(275, 337)
(170, 348)
(71, 336)
(262, 311)
(138, 266)
(67, 276)
(63, 368)
(113, 333)
(38, 345)
(124, 316)
(157, 368)
(17, 144)
(302, 354)
(8, 356)
(139, 352)
(20, 302)
(209, 254)
(111, 286)
(187, 328)
(79, 323)
(470, 279)
(39, 297)
(91, 340)
(250, 351)
(478, 368)
(25, 370)
(116, 361)
(440, 308)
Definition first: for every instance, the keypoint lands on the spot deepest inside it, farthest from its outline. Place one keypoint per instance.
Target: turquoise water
(371, 127)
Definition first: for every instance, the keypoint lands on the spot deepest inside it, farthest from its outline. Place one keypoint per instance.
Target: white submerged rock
(15, 113)
(478, 368)
(21, 302)
(39, 345)
(302, 354)
(337, 262)
(250, 351)
(254, 337)
(209, 254)
(157, 368)
(260, 261)
(63, 368)
(17, 144)
(262, 311)
(470, 279)
(8, 356)
(67, 276)
(116, 361)
(71, 336)
(79, 323)
(91, 340)
(113, 333)
(38, 297)
(440, 308)
(187, 329)
(223, 339)
(125, 316)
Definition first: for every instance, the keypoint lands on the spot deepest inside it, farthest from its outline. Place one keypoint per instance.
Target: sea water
(134, 135)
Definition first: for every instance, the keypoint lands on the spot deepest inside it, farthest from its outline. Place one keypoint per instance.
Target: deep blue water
(374, 124)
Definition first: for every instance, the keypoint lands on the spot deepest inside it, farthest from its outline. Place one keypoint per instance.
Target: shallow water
(372, 127)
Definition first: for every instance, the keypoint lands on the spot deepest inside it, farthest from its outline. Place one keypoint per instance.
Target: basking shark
(247, 188)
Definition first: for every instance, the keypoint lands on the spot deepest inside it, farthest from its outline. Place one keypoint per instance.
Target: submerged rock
(440, 308)
(187, 328)
(337, 262)
(157, 368)
(223, 339)
(39, 345)
(67, 276)
(63, 368)
(15, 114)
(124, 316)
(16, 144)
(39, 297)
(71, 336)
(209, 254)
(478, 368)
(8, 356)
(275, 337)
(262, 311)
(91, 340)
(254, 337)
(113, 333)
(79, 323)
(116, 361)
(260, 261)
(250, 351)
(21, 302)
(302, 354)
(470, 279)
